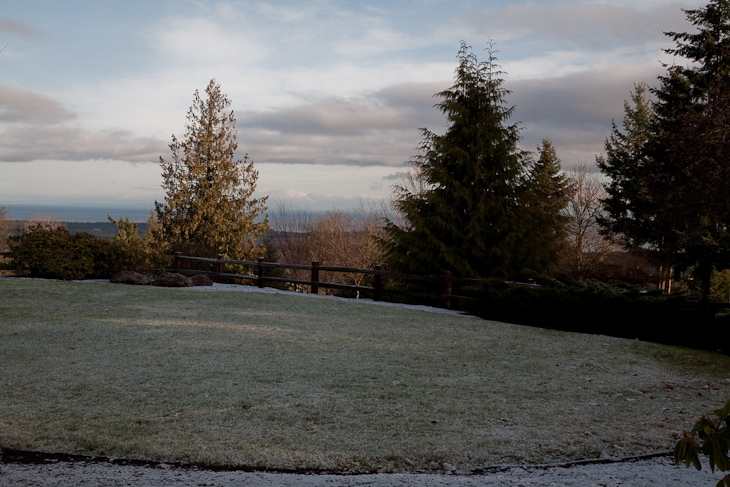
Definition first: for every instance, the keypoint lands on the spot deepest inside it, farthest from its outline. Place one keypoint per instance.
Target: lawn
(282, 381)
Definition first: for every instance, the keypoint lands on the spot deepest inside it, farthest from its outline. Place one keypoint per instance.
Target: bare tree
(344, 238)
(4, 228)
(42, 220)
(587, 249)
(290, 227)
(348, 239)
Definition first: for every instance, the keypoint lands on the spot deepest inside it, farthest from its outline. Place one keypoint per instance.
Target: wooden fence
(445, 282)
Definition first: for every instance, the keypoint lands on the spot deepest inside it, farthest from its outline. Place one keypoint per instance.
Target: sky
(329, 95)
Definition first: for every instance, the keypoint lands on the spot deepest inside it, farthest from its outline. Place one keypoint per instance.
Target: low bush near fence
(53, 253)
(603, 310)
(57, 253)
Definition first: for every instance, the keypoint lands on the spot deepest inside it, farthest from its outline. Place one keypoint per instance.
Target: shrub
(130, 251)
(714, 436)
(45, 251)
(599, 308)
(53, 253)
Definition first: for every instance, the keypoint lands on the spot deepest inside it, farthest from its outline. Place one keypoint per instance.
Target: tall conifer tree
(548, 194)
(628, 211)
(691, 145)
(470, 216)
(209, 208)
(670, 182)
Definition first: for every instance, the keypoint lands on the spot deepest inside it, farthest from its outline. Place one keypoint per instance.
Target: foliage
(209, 209)
(45, 220)
(714, 442)
(270, 253)
(472, 212)
(549, 192)
(347, 239)
(670, 183)
(135, 252)
(612, 309)
(53, 253)
(626, 164)
(720, 285)
(687, 88)
(4, 228)
(695, 207)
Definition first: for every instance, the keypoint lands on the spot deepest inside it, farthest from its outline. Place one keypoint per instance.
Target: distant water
(91, 214)
(77, 213)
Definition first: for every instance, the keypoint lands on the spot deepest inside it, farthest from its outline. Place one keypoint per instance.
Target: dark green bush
(56, 253)
(53, 253)
(599, 308)
(613, 309)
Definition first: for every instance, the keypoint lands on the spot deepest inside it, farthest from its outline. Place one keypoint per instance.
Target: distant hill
(100, 229)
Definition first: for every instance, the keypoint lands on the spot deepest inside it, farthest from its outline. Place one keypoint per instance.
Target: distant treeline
(98, 229)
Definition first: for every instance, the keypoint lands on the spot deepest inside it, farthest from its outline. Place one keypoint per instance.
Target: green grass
(290, 381)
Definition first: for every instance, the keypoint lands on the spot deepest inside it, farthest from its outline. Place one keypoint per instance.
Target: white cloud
(206, 42)
(332, 116)
(297, 195)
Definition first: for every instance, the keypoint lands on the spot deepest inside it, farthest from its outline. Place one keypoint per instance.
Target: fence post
(220, 268)
(448, 276)
(378, 284)
(315, 277)
(177, 261)
(260, 272)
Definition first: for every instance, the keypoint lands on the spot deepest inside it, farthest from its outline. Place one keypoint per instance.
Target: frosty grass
(281, 381)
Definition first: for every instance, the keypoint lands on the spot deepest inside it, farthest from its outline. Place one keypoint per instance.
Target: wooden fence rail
(377, 290)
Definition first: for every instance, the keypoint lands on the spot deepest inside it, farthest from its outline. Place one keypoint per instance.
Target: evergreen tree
(691, 147)
(628, 213)
(548, 194)
(669, 172)
(692, 185)
(209, 209)
(686, 89)
(469, 216)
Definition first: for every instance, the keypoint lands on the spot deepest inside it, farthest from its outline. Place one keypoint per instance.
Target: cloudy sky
(329, 94)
